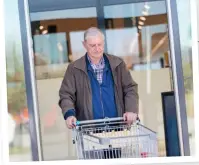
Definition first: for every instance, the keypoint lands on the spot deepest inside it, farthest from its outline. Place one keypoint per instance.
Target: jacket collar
(113, 61)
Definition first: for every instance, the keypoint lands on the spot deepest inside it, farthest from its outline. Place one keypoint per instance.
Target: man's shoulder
(114, 57)
(115, 60)
(76, 62)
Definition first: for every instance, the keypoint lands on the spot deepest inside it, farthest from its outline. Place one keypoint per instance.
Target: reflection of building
(50, 49)
(74, 28)
(137, 32)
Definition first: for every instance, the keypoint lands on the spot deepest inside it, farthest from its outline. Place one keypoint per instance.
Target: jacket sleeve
(67, 93)
(130, 91)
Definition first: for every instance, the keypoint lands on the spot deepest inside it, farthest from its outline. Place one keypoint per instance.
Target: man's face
(94, 46)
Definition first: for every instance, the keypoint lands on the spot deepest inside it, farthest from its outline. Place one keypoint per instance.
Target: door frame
(27, 44)
(178, 77)
(30, 81)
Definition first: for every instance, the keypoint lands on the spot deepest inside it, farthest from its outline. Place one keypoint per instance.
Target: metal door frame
(31, 91)
(27, 44)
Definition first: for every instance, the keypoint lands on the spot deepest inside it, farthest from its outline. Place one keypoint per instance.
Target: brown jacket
(75, 92)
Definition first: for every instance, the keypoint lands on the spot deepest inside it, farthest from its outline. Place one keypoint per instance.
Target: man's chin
(98, 55)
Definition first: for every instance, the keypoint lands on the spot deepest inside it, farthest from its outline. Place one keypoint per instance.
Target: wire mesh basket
(113, 138)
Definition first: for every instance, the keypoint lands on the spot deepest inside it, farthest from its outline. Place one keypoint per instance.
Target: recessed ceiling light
(41, 27)
(141, 23)
(143, 18)
(45, 31)
(147, 6)
(145, 13)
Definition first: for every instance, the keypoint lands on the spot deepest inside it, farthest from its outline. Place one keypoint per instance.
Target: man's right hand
(71, 121)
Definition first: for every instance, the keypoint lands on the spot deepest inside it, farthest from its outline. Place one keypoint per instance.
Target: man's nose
(98, 48)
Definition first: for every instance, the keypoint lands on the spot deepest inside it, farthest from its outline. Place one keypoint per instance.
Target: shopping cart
(113, 138)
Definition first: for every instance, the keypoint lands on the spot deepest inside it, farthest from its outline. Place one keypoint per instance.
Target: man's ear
(84, 44)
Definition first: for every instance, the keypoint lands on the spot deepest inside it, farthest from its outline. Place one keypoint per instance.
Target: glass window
(183, 8)
(19, 136)
(137, 32)
(57, 38)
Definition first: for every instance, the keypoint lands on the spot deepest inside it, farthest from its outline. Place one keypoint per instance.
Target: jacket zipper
(101, 101)
(100, 96)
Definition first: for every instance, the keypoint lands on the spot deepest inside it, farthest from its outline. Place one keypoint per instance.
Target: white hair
(93, 31)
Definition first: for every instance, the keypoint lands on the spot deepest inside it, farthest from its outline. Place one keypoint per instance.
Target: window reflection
(135, 32)
(18, 119)
(59, 41)
(138, 34)
(57, 38)
(50, 49)
(186, 52)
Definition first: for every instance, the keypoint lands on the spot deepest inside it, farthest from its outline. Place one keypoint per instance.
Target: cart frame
(113, 138)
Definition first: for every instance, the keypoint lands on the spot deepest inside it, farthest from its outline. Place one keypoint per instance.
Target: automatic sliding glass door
(135, 31)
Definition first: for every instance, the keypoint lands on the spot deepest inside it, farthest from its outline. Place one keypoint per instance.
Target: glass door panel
(137, 32)
(57, 38)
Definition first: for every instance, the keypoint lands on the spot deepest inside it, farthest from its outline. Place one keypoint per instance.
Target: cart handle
(103, 120)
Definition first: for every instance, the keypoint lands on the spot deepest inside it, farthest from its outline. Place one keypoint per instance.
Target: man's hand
(130, 117)
(70, 122)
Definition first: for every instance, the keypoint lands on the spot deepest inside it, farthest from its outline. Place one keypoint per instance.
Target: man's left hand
(130, 117)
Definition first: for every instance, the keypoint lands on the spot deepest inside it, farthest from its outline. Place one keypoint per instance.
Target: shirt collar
(101, 62)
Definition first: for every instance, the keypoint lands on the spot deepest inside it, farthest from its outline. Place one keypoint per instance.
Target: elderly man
(97, 85)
